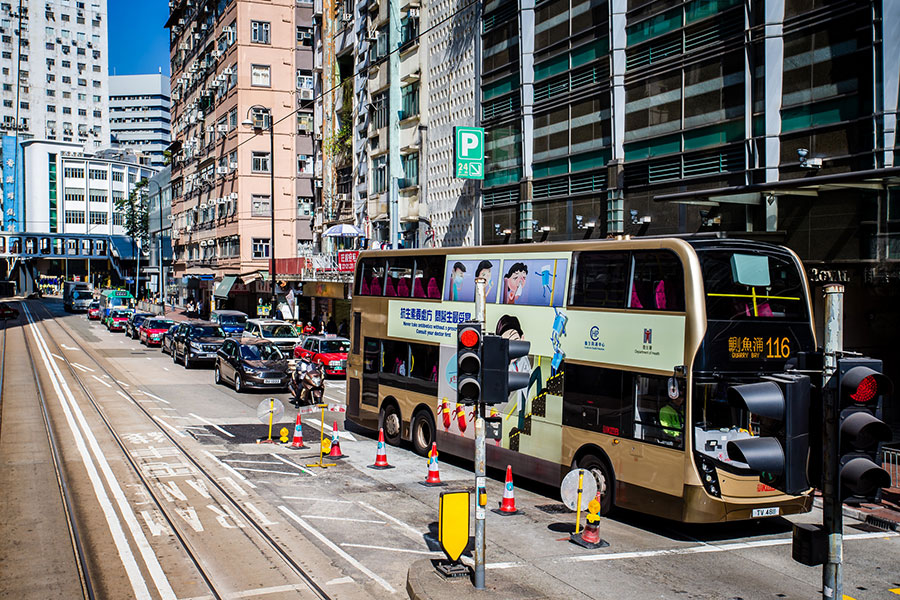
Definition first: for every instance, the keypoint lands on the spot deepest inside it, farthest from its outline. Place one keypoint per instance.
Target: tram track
(178, 530)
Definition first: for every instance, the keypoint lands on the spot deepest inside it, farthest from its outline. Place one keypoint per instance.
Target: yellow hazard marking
(895, 590)
(453, 523)
(846, 597)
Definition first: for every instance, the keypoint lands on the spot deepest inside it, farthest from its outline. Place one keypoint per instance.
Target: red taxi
(94, 311)
(330, 351)
(151, 331)
(118, 317)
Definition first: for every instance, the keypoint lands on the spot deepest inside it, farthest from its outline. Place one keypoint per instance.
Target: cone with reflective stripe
(508, 504)
(297, 444)
(335, 451)
(380, 454)
(434, 473)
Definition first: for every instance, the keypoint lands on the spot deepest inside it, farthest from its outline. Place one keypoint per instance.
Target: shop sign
(324, 289)
(347, 260)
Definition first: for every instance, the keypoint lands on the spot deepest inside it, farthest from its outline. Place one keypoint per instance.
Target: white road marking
(713, 548)
(316, 499)
(232, 471)
(406, 550)
(249, 462)
(235, 486)
(260, 517)
(347, 519)
(340, 551)
(339, 580)
(293, 464)
(248, 469)
(156, 398)
(67, 347)
(123, 394)
(82, 367)
(341, 434)
(169, 427)
(101, 381)
(165, 368)
(121, 383)
(57, 356)
(280, 589)
(211, 424)
(405, 526)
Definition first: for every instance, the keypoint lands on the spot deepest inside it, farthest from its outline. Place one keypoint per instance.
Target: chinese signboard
(468, 152)
(12, 185)
(347, 260)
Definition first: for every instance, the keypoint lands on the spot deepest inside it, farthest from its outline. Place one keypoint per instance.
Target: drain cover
(553, 509)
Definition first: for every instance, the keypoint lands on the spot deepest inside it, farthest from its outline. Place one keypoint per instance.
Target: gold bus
(633, 346)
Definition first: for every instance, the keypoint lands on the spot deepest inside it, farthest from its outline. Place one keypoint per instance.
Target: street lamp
(258, 128)
(159, 252)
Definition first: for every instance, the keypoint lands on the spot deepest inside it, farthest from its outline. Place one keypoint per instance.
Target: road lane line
(340, 551)
(279, 589)
(57, 356)
(316, 499)
(101, 381)
(405, 526)
(229, 469)
(293, 464)
(347, 519)
(149, 557)
(169, 427)
(82, 367)
(121, 383)
(123, 394)
(251, 470)
(156, 398)
(249, 462)
(406, 550)
(211, 424)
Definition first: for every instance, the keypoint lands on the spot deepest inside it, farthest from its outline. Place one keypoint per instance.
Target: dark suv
(134, 322)
(196, 341)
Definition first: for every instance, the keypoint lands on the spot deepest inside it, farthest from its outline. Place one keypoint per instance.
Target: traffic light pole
(832, 511)
(480, 452)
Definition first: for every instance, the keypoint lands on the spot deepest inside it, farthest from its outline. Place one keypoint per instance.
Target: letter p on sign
(469, 153)
(470, 144)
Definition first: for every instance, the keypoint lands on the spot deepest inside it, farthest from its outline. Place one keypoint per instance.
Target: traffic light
(860, 388)
(498, 380)
(468, 362)
(781, 450)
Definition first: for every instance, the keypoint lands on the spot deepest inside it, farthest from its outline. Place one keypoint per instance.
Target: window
(260, 75)
(98, 196)
(594, 400)
(97, 174)
(77, 172)
(82, 112)
(118, 219)
(98, 218)
(304, 206)
(410, 164)
(304, 36)
(409, 101)
(232, 119)
(74, 196)
(380, 106)
(260, 247)
(66, 79)
(305, 80)
(260, 162)
(8, 103)
(304, 164)
(658, 417)
(379, 174)
(118, 176)
(259, 32)
(261, 205)
(74, 217)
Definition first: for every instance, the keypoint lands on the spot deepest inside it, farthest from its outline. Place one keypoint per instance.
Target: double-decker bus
(634, 343)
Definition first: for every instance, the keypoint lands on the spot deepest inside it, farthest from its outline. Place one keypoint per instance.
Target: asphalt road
(357, 530)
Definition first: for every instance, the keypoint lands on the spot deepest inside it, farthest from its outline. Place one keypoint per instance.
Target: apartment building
(139, 117)
(53, 71)
(237, 61)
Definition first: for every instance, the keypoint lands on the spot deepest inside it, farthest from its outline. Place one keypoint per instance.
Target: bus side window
(372, 356)
(599, 279)
(371, 275)
(423, 362)
(428, 277)
(658, 418)
(394, 357)
(357, 329)
(398, 269)
(593, 399)
(657, 281)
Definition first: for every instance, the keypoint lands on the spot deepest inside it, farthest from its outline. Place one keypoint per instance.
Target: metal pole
(159, 246)
(832, 514)
(480, 452)
(272, 270)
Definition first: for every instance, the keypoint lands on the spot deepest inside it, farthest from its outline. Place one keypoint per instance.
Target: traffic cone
(508, 504)
(380, 455)
(434, 473)
(297, 444)
(590, 536)
(461, 418)
(335, 451)
(445, 409)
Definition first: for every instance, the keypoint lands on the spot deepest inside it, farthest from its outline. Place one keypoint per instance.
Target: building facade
(235, 61)
(159, 226)
(139, 117)
(53, 70)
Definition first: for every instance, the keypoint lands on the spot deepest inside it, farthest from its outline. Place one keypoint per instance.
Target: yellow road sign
(453, 523)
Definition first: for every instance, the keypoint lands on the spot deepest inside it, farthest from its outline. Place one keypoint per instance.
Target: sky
(138, 42)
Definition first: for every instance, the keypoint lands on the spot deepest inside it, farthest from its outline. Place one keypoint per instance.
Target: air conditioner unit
(233, 196)
(232, 165)
(204, 27)
(228, 71)
(222, 78)
(372, 36)
(222, 128)
(222, 170)
(197, 36)
(306, 94)
(171, 218)
(215, 83)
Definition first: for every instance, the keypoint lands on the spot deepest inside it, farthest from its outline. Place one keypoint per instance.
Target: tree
(135, 212)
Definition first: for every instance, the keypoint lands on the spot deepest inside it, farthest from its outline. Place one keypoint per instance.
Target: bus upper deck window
(657, 281)
(428, 277)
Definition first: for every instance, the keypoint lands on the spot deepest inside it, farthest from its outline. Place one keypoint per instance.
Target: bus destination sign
(745, 347)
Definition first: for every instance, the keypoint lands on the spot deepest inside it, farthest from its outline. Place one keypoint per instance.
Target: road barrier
(891, 463)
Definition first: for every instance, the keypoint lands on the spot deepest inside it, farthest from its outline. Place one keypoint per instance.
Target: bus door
(371, 368)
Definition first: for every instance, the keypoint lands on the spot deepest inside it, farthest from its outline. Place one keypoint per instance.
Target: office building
(139, 117)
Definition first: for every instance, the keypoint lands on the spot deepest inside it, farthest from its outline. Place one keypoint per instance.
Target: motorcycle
(307, 384)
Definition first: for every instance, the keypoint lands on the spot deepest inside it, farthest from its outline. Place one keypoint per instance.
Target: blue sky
(138, 43)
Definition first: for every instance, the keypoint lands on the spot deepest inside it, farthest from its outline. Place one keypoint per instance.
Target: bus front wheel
(604, 478)
(391, 423)
(423, 432)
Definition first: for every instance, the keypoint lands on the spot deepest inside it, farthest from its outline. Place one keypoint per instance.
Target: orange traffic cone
(380, 455)
(335, 443)
(434, 473)
(297, 444)
(508, 504)
(461, 418)
(445, 409)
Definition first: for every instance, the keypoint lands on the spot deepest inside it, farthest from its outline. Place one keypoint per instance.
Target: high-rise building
(235, 61)
(53, 69)
(139, 118)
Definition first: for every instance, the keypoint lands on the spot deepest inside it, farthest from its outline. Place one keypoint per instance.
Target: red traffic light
(866, 390)
(469, 338)
(863, 385)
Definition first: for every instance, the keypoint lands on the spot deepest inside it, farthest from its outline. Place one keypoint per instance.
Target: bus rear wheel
(423, 432)
(603, 476)
(391, 423)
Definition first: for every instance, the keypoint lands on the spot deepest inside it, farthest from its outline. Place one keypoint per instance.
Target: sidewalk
(885, 515)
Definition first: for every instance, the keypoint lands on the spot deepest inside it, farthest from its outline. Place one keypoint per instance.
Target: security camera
(802, 153)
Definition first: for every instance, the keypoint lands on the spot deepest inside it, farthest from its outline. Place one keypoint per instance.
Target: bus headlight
(708, 475)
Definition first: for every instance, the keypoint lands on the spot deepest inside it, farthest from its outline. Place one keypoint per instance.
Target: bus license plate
(277, 381)
(773, 511)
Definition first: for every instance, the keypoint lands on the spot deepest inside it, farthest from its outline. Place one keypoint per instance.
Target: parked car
(232, 321)
(281, 333)
(168, 339)
(131, 327)
(196, 341)
(117, 319)
(93, 313)
(151, 331)
(8, 312)
(330, 351)
(252, 363)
